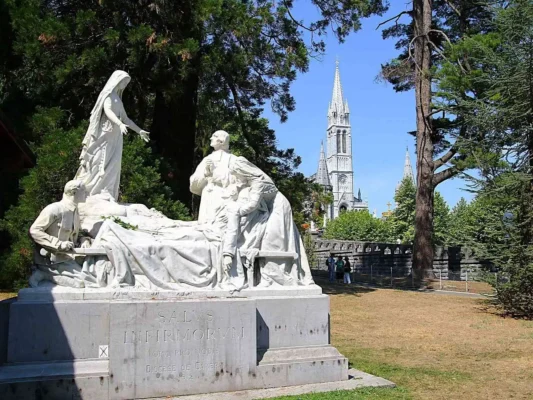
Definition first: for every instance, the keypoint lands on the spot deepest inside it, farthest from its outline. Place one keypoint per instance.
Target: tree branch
(444, 175)
(445, 158)
(452, 6)
(436, 111)
(396, 18)
(437, 49)
(411, 54)
(296, 21)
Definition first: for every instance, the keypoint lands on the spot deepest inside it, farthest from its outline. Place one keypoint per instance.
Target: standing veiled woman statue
(101, 155)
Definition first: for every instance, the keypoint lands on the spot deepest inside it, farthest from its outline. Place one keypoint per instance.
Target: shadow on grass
(489, 306)
(341, 288)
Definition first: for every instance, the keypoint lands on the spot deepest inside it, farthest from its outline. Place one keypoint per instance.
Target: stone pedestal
(66, 343)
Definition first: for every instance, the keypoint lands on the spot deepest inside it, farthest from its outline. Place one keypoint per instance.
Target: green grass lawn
(360, 394)
(432, 346)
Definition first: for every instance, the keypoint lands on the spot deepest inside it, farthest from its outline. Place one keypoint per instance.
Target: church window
(344, 141)
(339, 143)
(343, 209)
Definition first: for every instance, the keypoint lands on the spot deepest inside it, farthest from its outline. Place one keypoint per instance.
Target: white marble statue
(55, 232)
(248, 219)
(205, 184)
(262, 223)
(101, 156)
(244, 237)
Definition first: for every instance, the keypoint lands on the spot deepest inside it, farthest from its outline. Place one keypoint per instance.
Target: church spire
(407, 168)
(337, 99)
(322, 176)
(338, 112)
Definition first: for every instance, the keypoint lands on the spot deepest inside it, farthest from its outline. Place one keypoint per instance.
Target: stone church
(335, 166)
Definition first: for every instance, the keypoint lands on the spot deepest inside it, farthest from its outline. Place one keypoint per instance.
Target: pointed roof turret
(407, 168)
(337, 99)
(338, 108)
(322, 176)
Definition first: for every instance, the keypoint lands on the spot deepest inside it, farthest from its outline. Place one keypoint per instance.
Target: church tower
(322, 175)
(407, 168)
(339, 153)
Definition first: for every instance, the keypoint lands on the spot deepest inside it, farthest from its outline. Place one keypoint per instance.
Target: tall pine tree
(431, 26)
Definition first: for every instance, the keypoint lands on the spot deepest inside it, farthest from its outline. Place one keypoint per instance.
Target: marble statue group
(244, 238)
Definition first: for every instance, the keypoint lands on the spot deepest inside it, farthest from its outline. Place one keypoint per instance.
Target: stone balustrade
(378, 258)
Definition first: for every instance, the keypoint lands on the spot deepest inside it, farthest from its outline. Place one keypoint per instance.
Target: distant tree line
(397, 227)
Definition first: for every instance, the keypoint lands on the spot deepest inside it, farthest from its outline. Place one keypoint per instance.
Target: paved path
(318, 280)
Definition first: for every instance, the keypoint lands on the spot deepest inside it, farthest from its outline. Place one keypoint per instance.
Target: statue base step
(48, 292)
(118, 349)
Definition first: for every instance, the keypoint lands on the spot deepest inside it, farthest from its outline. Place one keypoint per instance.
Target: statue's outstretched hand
(144, 135)
(124, 129)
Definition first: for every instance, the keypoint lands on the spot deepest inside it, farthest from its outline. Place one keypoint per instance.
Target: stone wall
(367, 258)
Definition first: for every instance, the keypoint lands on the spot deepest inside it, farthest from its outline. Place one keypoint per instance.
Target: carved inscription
(186, 335)
(185, 344)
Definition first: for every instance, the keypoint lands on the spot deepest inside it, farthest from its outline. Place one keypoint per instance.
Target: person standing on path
(339, 269)
(347, 270)
(330, 262)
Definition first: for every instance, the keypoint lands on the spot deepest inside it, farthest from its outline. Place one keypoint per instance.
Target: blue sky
(380, 117)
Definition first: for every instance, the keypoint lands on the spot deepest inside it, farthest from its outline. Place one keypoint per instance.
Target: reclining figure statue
(244, 222)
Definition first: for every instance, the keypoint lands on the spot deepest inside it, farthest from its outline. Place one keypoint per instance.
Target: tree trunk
(529, 235)
(174, 125)
(423, 241)
(174, 132)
